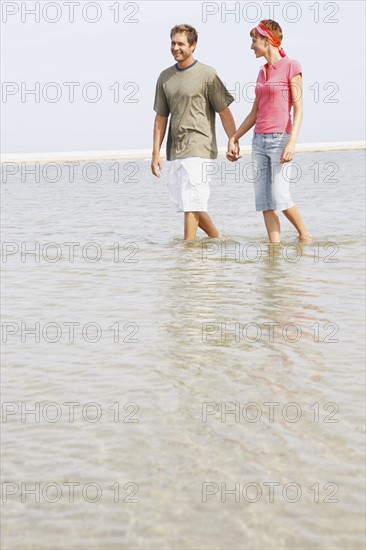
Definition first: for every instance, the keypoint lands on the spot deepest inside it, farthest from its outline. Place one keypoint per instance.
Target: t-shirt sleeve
(161, 106)
(218, 95)
(294, 70)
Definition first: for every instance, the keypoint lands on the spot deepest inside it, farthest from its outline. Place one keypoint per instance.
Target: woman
(278, 88)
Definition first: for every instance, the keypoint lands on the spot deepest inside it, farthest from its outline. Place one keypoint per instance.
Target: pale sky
(128, 55)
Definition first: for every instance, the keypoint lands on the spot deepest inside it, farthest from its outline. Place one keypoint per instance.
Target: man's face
(180, 47)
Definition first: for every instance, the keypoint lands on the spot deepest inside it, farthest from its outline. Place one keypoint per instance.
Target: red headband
(262, 29)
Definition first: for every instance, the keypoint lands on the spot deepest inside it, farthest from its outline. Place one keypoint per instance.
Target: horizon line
(145, 154)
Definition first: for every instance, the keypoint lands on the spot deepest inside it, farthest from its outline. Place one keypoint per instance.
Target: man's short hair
(192, 35)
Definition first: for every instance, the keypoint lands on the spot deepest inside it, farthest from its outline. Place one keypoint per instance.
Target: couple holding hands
(191, 93)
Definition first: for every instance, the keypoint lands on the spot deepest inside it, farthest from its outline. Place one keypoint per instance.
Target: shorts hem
(193, 209)
(262, 208)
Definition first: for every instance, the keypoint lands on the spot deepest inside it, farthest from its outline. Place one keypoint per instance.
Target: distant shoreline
(145, 154)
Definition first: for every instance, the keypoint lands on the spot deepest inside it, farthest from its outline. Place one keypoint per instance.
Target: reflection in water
(214, 328)
(273, 312)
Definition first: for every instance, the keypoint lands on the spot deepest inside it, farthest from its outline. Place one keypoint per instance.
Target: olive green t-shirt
(191, 97)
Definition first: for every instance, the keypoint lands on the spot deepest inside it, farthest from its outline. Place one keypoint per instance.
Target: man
(191, 93)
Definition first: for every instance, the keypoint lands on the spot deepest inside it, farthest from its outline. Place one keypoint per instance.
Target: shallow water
(228, 402)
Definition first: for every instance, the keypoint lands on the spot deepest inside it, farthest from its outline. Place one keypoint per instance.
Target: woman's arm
(246, 125)
(296, 93)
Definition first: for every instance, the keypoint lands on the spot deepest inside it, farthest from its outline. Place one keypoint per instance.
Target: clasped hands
(233, 150)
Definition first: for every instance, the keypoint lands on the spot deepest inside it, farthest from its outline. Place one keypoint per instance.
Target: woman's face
(259, 45)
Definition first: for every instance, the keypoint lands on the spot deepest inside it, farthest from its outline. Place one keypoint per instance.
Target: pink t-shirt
(274, 96)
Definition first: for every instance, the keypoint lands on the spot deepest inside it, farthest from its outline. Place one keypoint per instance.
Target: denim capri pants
(271, 179)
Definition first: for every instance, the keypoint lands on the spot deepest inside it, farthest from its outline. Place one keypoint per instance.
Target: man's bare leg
(294, 216)
(272, 225)
(207, 225)
(191, 220)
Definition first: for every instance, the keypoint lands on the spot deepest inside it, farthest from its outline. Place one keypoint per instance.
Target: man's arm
(228, 123)
(160, 124)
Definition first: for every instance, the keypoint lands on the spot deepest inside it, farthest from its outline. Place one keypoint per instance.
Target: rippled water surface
(217, 386)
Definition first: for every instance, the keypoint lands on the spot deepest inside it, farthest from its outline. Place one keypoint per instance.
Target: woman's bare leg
(294, 216)
(272, 225)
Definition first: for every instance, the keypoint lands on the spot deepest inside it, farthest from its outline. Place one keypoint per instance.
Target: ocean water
(204, 395)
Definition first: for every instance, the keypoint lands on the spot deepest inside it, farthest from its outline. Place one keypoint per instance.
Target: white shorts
(189, 184)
